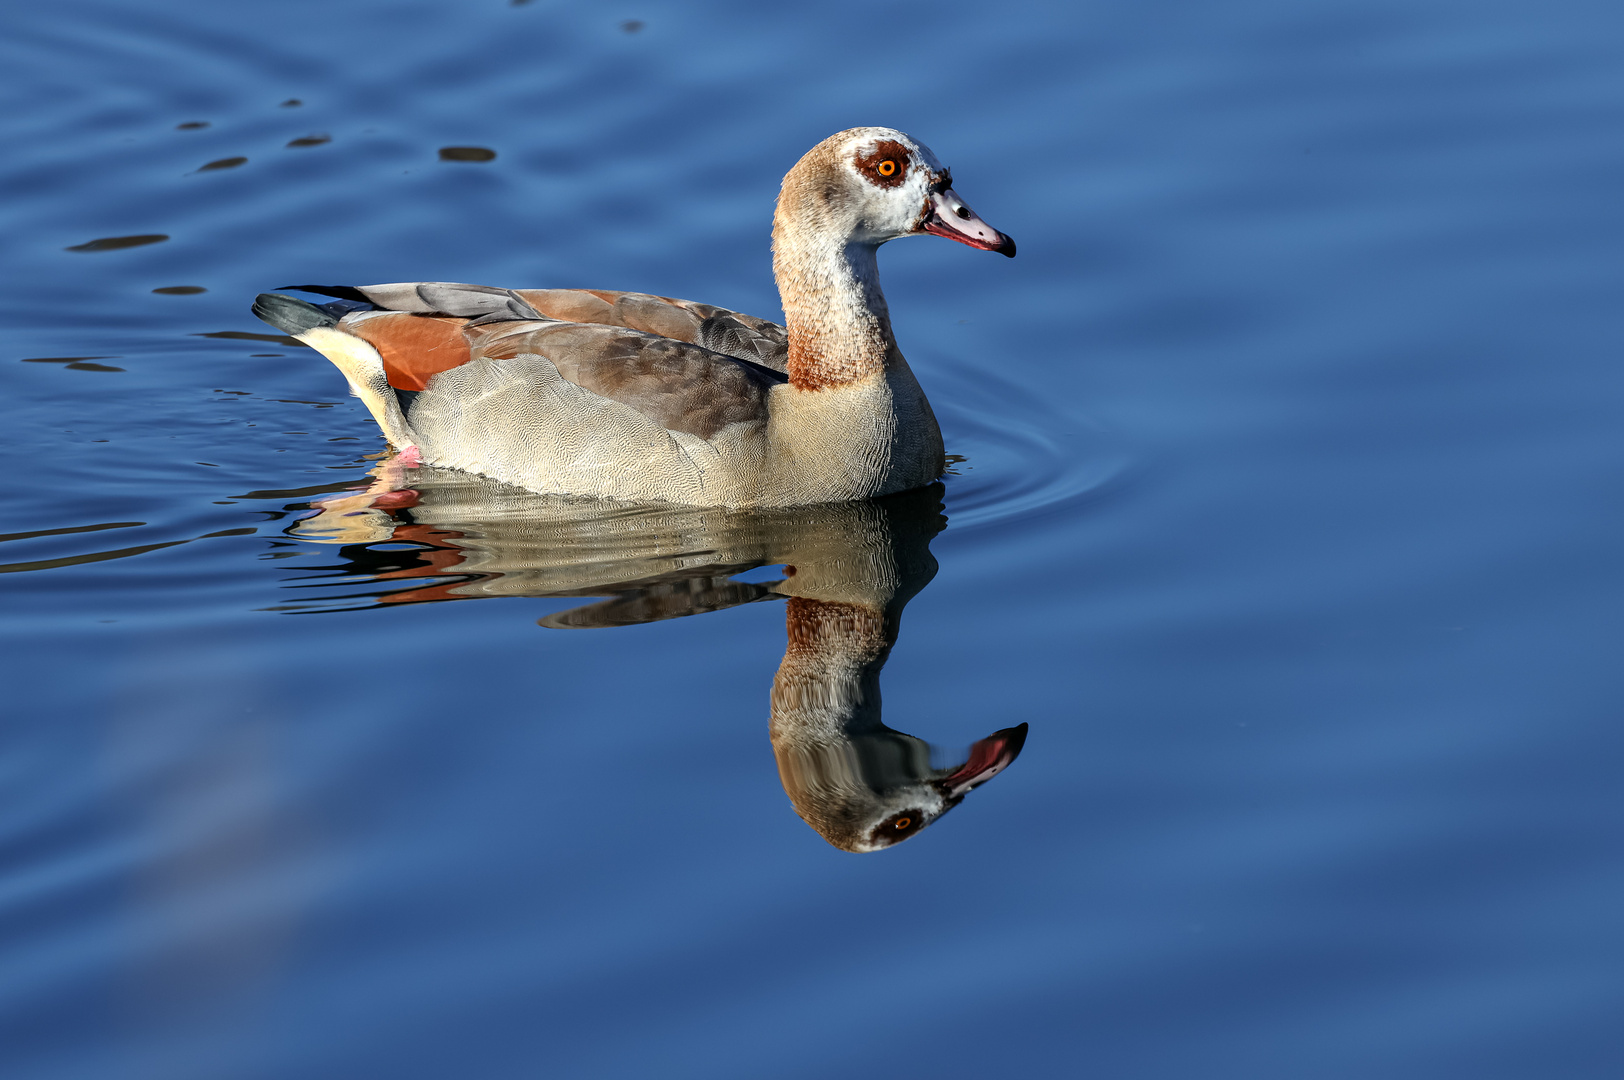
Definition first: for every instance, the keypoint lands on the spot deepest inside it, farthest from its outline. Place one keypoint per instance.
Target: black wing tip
(291, 315)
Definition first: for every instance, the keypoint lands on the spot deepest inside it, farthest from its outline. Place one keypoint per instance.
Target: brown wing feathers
(424, 328)
(675, 384)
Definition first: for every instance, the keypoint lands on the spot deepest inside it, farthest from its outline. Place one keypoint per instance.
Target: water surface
(1289, 525)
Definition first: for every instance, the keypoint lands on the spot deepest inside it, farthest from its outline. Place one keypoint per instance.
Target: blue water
(1291, 523)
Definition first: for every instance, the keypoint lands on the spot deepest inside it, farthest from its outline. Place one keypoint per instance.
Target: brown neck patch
(812, 368)
(815, 626)
(884, 166)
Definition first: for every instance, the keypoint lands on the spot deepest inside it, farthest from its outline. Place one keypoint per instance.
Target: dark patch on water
(70, 529)
(119, 243)
(466, 153)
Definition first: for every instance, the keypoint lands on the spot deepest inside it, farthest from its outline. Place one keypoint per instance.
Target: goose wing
(423, 329)
(731, 333)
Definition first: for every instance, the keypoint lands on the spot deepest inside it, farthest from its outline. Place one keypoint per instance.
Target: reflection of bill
(849, 569)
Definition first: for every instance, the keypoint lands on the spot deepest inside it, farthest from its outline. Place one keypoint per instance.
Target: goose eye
(885, 165)
(894, 830)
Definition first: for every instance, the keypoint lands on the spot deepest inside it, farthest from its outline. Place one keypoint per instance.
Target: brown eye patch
(897, 828)
(884, 166)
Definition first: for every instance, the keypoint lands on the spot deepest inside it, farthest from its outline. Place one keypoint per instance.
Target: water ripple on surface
(1023, 456)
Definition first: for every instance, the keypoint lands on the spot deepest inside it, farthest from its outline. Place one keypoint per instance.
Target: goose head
(872, 184)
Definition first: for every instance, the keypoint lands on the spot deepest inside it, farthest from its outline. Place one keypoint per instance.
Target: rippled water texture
(1286, 554)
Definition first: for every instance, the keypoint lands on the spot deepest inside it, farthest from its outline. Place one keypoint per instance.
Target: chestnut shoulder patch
(414, 348)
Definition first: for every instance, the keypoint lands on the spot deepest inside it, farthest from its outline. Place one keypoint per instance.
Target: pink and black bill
(988, 758)
(947, 215)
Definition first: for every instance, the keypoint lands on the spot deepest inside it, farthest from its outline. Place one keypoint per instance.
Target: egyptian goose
(630, 396)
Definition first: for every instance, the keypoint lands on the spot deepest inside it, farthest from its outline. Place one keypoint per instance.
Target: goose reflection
(848, 571)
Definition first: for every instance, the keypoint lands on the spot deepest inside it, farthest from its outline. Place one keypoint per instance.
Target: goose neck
(838, 322)
(827, 687)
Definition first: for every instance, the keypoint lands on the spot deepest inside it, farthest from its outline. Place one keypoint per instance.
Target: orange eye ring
(903, 822)
(887, 167)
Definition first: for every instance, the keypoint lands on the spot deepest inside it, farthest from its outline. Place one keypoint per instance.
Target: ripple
(1023, 456)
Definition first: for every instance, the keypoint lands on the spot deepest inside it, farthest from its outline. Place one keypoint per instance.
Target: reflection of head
(872, 791)
(860, 784)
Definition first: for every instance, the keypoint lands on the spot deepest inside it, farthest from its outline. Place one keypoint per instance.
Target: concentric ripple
(1021, 455)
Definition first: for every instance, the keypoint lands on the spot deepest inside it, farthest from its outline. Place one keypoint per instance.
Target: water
(1289, 524)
